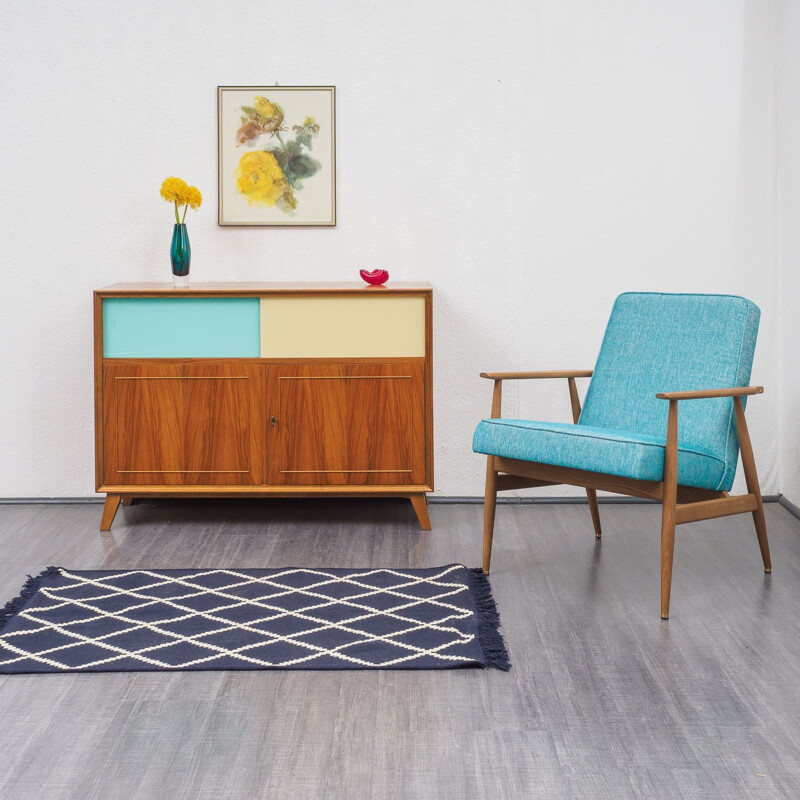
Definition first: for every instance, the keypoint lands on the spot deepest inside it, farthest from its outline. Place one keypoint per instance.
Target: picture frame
(276, 156)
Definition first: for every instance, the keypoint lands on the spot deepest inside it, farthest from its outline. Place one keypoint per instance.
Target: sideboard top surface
(242, 288)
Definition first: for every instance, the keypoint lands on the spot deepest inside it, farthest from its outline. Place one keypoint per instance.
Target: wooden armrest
(701, 394)
(510, 376)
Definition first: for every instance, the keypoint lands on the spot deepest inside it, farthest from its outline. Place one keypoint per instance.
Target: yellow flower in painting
(174, 190)
(271, 113)
(265, 108)
(311, 124)
(260, 179)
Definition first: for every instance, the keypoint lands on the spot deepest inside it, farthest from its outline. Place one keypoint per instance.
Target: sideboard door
(346, 424)
(185, 423)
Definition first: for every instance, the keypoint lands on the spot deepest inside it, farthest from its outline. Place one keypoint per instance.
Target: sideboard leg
(420, 503)
(127, 500)
(109, 511)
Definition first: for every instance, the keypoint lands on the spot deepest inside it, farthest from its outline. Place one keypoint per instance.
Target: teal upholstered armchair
(661, 352)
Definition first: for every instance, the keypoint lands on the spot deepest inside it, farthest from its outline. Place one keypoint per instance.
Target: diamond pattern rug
(294, 618)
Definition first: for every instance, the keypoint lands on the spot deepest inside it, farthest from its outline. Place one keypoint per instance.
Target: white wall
(789, 171)
(531, 159)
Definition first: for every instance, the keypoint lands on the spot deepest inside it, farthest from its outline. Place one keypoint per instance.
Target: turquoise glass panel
(181, 327)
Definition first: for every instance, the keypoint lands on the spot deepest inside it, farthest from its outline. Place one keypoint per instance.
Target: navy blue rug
(225, 619)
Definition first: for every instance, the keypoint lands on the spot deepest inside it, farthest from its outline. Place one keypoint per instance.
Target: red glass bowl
(375, 277)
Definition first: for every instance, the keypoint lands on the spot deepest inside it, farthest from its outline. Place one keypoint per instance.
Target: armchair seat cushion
(622, 453)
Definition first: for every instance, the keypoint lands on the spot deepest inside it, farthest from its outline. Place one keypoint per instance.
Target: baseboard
(789, 506)
(515, 501)
(434, 499)
(22, 501)
(577, 500)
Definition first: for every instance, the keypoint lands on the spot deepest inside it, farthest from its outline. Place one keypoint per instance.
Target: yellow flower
(194, 198)
(174, 190)
(271, 113)
(259, 178)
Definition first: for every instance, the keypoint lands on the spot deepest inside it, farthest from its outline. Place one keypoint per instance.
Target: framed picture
(276, 155)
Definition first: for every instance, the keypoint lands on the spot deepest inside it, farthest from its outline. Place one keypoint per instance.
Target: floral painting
(276, 155)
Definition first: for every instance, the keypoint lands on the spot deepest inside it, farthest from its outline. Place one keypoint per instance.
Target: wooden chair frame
(680, 504)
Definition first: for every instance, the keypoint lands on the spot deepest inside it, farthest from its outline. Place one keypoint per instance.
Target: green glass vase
(180, 254)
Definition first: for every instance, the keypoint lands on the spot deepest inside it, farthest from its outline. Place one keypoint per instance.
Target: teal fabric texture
(653, 343)
(613, 452)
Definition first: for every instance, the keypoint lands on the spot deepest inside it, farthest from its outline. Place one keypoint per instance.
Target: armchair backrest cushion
(674, 342)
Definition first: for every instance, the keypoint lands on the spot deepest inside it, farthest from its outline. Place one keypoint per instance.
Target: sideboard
(263, 389)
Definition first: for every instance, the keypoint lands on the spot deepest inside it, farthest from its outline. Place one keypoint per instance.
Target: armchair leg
(669, 503)
(594, 509)
(667, 553)
(489, 505)
(751, 478)
(761, 533)
(591, 494)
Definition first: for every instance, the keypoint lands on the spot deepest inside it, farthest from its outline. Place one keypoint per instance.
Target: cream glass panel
(343, 327)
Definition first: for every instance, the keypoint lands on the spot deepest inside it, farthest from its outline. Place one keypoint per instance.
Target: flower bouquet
(177, 191)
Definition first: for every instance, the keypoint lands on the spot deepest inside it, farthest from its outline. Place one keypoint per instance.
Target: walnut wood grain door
(188, 423)
(347, 424)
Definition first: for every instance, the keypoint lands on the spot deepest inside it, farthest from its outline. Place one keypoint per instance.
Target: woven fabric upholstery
(613, 452)
(653, 343)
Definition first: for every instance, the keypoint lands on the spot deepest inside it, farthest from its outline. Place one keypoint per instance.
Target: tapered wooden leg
(667, 554)
(489, 506)
(595, 512)
(761, 533)
(490, 495)
(668, 507)
(109, 511)
(591, 494)
(420, 503)
(127, 500)
(751, 478)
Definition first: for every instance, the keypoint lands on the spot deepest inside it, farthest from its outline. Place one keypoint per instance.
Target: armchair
(658, 347)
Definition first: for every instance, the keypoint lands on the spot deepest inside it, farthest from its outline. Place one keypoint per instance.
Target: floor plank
(604, 700)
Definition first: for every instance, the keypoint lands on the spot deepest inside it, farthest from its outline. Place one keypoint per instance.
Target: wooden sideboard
(263, 389)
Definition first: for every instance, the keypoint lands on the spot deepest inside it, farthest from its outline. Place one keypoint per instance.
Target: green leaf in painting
(280, 156)
(300, 167)
(305, 133)
(287, 197)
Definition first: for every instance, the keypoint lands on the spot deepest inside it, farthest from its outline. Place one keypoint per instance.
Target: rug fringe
(492, 642)
(13, 607)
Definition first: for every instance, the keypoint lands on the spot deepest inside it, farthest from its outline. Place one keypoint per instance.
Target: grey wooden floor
(604, 699)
